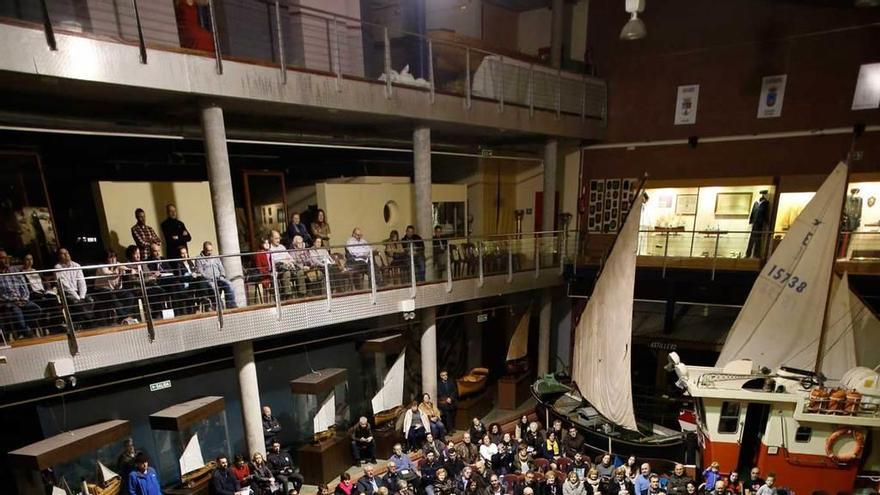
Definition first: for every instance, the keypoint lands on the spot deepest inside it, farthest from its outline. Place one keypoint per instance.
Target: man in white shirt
(358, 252)
(73, 282)
(283, 262)
(212, 269)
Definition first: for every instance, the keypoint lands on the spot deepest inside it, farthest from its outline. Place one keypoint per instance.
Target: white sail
(192, 456)
(786, 305)
(105, 474)
(326, 415)
(519, 343)
(603, 336)
(390, 394)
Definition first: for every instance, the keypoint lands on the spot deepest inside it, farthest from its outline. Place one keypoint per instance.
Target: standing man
(414, 241)
(271, 426)
(447, 393)
(297, 228)
(143, 234)
(174, 232)
(143, 480)
(759, 219)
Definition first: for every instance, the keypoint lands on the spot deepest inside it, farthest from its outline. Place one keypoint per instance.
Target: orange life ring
(857, 435)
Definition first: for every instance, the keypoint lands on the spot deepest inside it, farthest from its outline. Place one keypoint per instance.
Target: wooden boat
(518, 349)
(473, 383)
(598, 401)
(768, 401)
(199, 477)
(108, 482)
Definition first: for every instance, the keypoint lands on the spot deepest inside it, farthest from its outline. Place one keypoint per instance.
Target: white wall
(528, 183)
(534, 30)
(578, 40)
(447, 14)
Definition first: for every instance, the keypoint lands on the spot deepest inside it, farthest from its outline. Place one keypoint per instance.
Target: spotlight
(634, 29)
(60, 383)
(72, 381)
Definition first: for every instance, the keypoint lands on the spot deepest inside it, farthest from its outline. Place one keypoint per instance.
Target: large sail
(519, 343)
(390, 394)
(603, 337)
(192, 456)
(786, 305)
(326, 415)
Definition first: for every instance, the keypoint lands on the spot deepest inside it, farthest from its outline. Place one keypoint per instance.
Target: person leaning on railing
(212, 269)
(17, 311)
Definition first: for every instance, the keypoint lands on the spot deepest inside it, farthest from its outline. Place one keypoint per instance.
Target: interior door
(265, 195)
(751, 433)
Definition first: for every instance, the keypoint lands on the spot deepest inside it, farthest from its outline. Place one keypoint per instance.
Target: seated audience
(241, 471)
(691, 487)
(551, 485)
(223, 481)
(435, 446)
(369, 483)
(263, 265)
(430, 410)
(528, 483)
(453, 463)
(357, 254)
(719, 488)
(551, 446)
(192, 282)
(284, 264)
(110, 295)
(415, 424)
(488, 449)
(320, 255)
(557, 428)
(297, 228)
(363, 446)
(262, 478)
(495, 433)
(495, 487)
(428, 470)
(754, 482)
(477, 430)
(677, 481)
(519, 433)
(572, 443)
(769, 486)
(632, 468)
(400, 459)
(283, 469)
(46, 300)
(619, 483)
(593, 484)
(481, 469)
(580, 465)
(654, 486)
(734, 484)
(534, 438)
(711, 475)
(73, 282)
(440, 246)
(165, 273)
(573, 485)
(467, 451)
(389, 481)
(17, 311)
(643, 481)
(397, 256)
(345, 486)
(509, 443)
(132, 280)
(605, 468)
(523, 462)
(502, 462)
(213, 271)
(443, 484)
(320, 227)
(466, 479)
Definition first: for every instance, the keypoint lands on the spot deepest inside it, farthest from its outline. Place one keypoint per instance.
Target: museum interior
(439, 247)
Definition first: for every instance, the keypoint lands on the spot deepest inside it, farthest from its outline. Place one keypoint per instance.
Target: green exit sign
(155, 387)
(482, 318)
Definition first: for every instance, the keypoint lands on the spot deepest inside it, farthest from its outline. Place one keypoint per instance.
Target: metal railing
(297, 37)
(69, 301)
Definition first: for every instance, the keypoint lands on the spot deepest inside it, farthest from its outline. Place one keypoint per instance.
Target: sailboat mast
(819, 353)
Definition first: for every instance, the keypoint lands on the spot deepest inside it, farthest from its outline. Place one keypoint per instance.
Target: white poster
(867, 95)
(686, 104)
(772, 93)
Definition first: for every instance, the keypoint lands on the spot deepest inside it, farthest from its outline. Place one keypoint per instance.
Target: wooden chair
(541, 464)
(510, 481)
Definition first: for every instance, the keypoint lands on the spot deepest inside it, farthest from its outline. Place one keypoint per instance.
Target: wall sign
(686, 104)
(772, 93)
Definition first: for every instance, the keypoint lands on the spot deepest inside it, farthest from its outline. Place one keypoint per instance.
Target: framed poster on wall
(686, 204)
(733, 204)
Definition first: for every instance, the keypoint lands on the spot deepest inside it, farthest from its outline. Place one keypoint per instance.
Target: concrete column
(557, 32)
(429, 352)
(544, 332)
(422, 179)
(220, 182)
(246, 371)
(548, 215)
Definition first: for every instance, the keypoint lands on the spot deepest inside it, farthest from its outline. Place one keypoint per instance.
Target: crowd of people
(31, 300)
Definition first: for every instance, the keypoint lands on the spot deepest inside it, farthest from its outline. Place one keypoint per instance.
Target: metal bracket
(148, 314)
(218, 301)
(73, 345)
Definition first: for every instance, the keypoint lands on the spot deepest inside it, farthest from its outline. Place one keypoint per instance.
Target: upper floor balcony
(120, 313)
(278, 59)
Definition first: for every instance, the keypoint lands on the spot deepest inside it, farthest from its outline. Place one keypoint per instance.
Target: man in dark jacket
(363, 446)
(677, 483)
(572, 443)
(391, 478)
(223, 482)
(174, 232)
(759, 218)
(447, 393)
(428, 471)
(620, 482)
(271, 426)
(527, 482)
(453, 464)
(369, 483)
(283, 469)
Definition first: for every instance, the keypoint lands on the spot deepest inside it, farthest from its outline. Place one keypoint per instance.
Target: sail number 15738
(787, 279)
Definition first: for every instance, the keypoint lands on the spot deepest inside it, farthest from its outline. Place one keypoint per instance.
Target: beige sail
(105, 474)
(326, 415)
(603, 337)
(519, 343)
(390, 394)
(781, 321)
(192, 459)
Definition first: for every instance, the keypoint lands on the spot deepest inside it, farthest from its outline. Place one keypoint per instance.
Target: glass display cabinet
(77, 462)
(387, 357)
(321, 412)
(188, 437)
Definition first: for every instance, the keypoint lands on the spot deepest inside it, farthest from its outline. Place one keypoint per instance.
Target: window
(803, 434)
(729, 421)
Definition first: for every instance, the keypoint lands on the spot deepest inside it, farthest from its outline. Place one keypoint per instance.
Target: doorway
(265, 197)
(752, 432)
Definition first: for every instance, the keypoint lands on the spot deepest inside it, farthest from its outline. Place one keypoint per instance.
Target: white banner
(686, 104)
(772, 93)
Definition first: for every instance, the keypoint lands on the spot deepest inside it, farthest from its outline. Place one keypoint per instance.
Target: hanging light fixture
(634, 29)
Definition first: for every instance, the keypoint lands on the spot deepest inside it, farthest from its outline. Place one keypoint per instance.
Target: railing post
(501, 80)
(448, 269)
(480, 259)
(412, 272)
(73, 345)
(431, 68)
(372, 278)
(665, 251)
(467, 77)
(216, 37)
(148, 313)
(217, 300)
(531, 89)
(558, 93)
(141, 44)
(509, 262)
(279, 33)
(327, 287)
(47, 26)
(387, 63)
(715, 256)
(275, 289)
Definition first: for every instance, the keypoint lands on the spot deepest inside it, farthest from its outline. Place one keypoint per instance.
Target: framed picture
(686, 204)
(733, 204)
(664, 201)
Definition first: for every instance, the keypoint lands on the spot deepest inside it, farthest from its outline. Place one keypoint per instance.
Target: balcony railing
(100, 298)
(288, 36)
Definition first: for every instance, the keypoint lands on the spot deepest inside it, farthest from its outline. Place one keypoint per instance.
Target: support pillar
(544, 332)
(424, 205)
(251, 413)
(548, 214)
(557, 31)
(222, 202)
(429, 352)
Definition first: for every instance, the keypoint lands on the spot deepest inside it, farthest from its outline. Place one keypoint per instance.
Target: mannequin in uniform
(759, 219)
(852, 219)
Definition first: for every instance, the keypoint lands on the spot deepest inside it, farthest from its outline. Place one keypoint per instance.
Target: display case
(81, 461)
(387, 387)
(321, 415)
(188, 436)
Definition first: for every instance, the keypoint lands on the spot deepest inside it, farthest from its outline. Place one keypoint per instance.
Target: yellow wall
(117, 201)
(362, 205)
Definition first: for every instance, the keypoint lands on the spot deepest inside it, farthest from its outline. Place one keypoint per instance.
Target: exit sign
(482, 318)
(155, 387)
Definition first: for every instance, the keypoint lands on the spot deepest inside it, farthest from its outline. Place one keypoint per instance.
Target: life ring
(857, 435)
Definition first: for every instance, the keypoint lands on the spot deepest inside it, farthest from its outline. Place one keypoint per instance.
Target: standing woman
(320, 227)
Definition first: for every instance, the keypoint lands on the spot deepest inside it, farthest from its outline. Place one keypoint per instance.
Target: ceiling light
(634, 29)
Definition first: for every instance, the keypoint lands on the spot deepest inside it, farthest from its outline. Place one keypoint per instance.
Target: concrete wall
(300, 198)
(448, 14)
(534, 30)
(116, 202)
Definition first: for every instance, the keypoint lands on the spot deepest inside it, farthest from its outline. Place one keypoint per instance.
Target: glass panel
(803, 434)
(729, 421)
(213, 440)
(266, 205)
